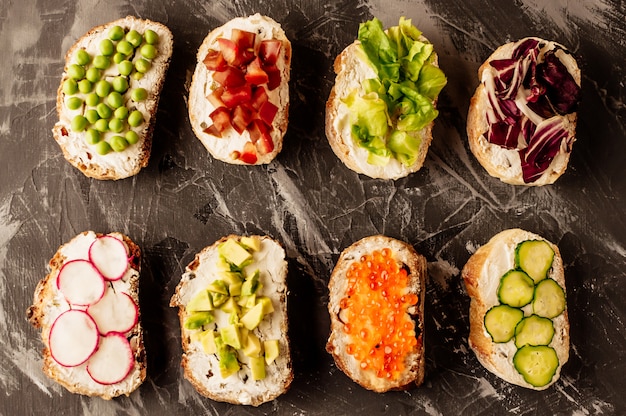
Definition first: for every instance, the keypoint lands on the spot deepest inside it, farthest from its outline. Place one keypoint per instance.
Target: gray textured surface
(309, 201)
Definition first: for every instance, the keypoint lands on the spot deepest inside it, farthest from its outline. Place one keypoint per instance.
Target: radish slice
(115, 312)
(113, 360)
(109, 255)
(73, 338)
(81, 283)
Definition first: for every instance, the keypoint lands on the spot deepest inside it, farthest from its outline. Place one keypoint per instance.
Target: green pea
(118, 57)
(101, 62)
(131, 137)
(125, 67)
(123, 46)
(103, 88)
(84, 86)
(134, 38)
(120, 84)
(70, 86)
(92, 116)
(79, 123)
(83, 57)
(106, 47)
(93, 74)
(115, 99)
(104, 111)
(116, 125)
(148, 51)
(101, 125)
(73, 103)
(103, 148)
(76, 72)
(92, 99)
(92, 136)
(121, 113)
(139, 94)
(135, 118)
(143, 66)
(118, 143)
(151, 37)
(116, 33)
(137, 76)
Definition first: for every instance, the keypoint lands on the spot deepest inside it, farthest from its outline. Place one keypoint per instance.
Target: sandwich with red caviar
(239, 94)
(376, 308)
(521, 123)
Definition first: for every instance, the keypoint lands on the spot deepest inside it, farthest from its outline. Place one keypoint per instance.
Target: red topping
(269, 50)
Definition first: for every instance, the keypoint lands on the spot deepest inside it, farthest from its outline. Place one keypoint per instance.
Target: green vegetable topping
(116, 125)
(135, 118)
(73, 103)
(118, 57)
(151, 37)
(148, 51)
(106, 47)
(92, 116)
(104, 111)
(70, 86)
(124, 47)
(92, 136)
(143, 66)
(84, 86)
(76, 72)
(79, 123)
(121, 113)
(103, 147)
(118, 143)
(92, 99)
(134, 38)
(116, 33)
(115, 99)
(139, 94)
(101, 125)
(120, 84)
(137, 76)
(82, 57)
(125, 67)
(101, 62)
(131, 137)
(103, 88)
(93, 74)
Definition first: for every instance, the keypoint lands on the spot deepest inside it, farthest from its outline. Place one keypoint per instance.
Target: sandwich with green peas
(381, 110)
(108, 97)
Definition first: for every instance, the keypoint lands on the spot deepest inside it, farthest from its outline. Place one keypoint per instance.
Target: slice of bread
(230, 146)
(119, 162)
(345, 334)
(482, 274)
(49, 302)
(202, 367)
(503, 163)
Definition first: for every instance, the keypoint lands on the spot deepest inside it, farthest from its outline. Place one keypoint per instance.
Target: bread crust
(43, 311)
(337, 341)
(503, 163)
(135, 157)
(481, 275)
(351, 70)
(279, 374)
(201, 87)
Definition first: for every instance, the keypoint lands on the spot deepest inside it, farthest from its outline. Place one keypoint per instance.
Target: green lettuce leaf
(431, 81)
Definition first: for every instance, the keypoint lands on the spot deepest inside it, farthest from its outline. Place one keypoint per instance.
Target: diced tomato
(269, 50)
(260, 135)
(273, 74)
(230, 77)
(221, 119)
(214, 61)
(232, 97)
(215, 98)
(259, 97)
(229, 50)
(267, 112)
(242, 116)
(248, 155)
(213, 131)
(255, 74)
(245, 45)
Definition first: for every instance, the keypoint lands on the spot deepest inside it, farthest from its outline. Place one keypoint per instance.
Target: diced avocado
(207, 339)
(267, 304)
(233, 252)
(252, 243)
(231, 336)
(198, 319)
(218, 286)
(242, 300)
(196, 335)
(272, 349)
(228, 361)
(235, 289)
(257, 366)
(230, 306)
(218, 299)
(231, 278)
(200, 302)
(233, 318)
(223, 265)
(252, 346)
(251, 284)
(253, 317)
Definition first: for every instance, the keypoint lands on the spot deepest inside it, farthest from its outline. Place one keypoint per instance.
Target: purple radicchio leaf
(525, 47)
(561, 89)
(543, 146)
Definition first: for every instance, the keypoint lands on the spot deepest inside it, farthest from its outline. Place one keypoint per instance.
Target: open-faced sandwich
(519, 328)
(381, 110)
(232, 304)
(108, 97)
(522, 118)
(239, 94)
(87, 308)
(376, 308)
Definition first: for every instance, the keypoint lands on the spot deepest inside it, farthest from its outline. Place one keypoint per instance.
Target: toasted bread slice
(112, 153)
(505, 162)
(349, 338)
(227, 144)
(482, 275)
(50, 302)
(203, 363)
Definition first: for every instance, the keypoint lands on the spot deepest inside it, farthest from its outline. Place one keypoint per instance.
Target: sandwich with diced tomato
(239, 94)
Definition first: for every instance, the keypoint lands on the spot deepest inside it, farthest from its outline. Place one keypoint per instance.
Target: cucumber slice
(501, 321)
(516, 289)
(537, 364)
(549, 300)
(535, 258)
(534, 330)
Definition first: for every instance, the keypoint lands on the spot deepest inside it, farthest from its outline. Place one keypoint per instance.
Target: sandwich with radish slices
(239, 94)
(87, 308)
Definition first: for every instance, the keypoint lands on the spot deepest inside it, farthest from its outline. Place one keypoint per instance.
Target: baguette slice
(129, 161)
(412, 360)
(505, 163)
(202, 368)
(49, 302)
(230, 146)
(352, 67)
(482, 274)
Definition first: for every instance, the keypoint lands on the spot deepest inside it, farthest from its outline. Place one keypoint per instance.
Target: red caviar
(380, 330)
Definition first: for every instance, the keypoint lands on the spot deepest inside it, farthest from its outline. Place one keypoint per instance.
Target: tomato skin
(249, 154)
(269, 50)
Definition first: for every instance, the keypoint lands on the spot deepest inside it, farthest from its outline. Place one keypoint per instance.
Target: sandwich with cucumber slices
(519, 329)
